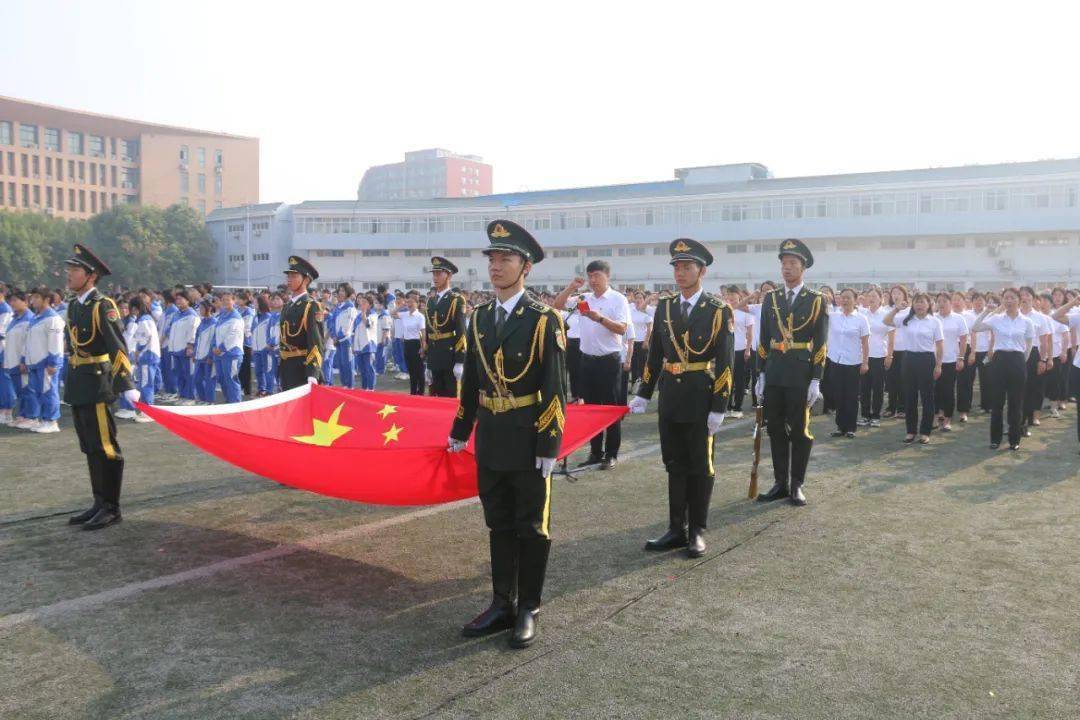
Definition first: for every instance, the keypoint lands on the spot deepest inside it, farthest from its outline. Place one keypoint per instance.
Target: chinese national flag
(372, 447)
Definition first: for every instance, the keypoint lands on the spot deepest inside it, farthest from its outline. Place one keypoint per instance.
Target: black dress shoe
(696, 547)
(84, 516)
(1015, 447)
(668, 541)
(104, 517)
(995, 446)
(591, 460)
(797, 497)
(836, 433)
(608, 463)
(776, 492)
(496, 618)
(525, 629)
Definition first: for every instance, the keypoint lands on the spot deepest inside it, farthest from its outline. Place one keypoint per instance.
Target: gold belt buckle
(675, 368)
(783, 347)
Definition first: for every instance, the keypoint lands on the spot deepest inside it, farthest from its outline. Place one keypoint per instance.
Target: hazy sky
(558, 94)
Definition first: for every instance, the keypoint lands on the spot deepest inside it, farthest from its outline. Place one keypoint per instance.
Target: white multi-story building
(978, 226)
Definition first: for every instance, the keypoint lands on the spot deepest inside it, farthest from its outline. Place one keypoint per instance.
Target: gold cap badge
(682, 247)
(789, 245)
(499, 231)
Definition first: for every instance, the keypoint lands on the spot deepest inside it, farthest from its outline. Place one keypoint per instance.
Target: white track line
(87, 602)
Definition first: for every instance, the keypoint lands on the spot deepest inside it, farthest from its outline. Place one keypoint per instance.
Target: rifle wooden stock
(759, 419)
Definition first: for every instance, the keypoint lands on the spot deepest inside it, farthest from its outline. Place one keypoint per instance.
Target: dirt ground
(920, 582)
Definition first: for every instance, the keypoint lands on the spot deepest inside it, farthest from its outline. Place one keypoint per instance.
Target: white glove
(313, 381)
(455, 445)
(132, 396)
(637, 405)
(813, 393)
(544, 465)
(759, 388)
(459, 370)
(715, 421)
(427, 377)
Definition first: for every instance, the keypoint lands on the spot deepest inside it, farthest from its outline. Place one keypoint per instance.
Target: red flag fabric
(372, 447)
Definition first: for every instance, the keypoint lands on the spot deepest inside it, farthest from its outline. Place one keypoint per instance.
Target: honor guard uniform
(512, 390)
(445, 335)
(99, 371)
(690, 362)
(303, 332)
(792, 346)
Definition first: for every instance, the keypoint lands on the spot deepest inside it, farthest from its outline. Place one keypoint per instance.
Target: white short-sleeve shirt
(954, 327)
(846, 333)
(879, 331)
(412, 324)
(920, 335)
(1010, 334)
(595, 338)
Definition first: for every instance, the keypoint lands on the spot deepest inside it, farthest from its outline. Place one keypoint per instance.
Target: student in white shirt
(744, 346)
(754, 309)
(1069, 313)
(953, 356)
(1060, 341)
(573, 355)
(975, 365)
(413, 323)
(1014, 336)
(1039, 362)
(872, 385)
(924, 339)
(849, 350)
(44, 354)
(602, 329)
(900, 299)
(642, 326)
(145, 353)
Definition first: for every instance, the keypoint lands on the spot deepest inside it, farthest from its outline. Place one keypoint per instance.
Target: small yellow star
(325, 432)
(392, 433)
(386, 410)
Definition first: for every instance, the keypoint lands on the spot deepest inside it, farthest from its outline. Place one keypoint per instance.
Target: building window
(48, 168)
(5, 132)
(25, 161)
(375, 253)
(129, 150)
(202, 182)
(660, 250)
(341, 253)
(184, 182)
(217, 184)
(600, 252)
(93, 202)
(75, 143)
(202, 207)
(59, 199)
(218, 158)
(82, 201)
(631, 251)
(93, 173)
(955, 242)
(28, 136)
(49, 197)
(261, 256)
(52, 139)
(26, 196)
(564, 253)
(129, 177)
(184, 154)
(763, 247)
(96, 145)
(217, 205)
(71, 200)
(460, 253)
(898, 244)
(737, 248)
(82, 171)
(200, 155)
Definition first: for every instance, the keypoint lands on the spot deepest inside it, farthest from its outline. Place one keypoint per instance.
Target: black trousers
(945, 390)
(894, 382)
(245, 372)
(755, 364)
(443, 382)
(415, 365)
(1033, 387)
(918, 382)
(1009, 375)
(687, 452)
(1056, 380)
(872, 389)
(828, 397)
(637, 360)
(986, 380)
(96, 430)
(573, 366)
(601, 383)
(293, 372)
(965, 385)
(1074, 382)
(845, 389)
(788, 420)
(740, 376)
(517, 511)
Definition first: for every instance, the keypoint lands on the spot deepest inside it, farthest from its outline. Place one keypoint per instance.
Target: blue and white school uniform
(229, 339)
(273, 350)
(259, 353)
(14, 355)
(44, 350)
(147, 346)
(364, 336)
(204, 359)
(165, 363)
(345, 315)
(182, 336)
(7, 389)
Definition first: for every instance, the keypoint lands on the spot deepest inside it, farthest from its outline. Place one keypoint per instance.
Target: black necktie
(685, 310)
(790, 297)
(500, 318)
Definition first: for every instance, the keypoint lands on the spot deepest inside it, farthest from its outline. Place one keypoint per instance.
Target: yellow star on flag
(386, 410)
(392, 433)
(325, 432)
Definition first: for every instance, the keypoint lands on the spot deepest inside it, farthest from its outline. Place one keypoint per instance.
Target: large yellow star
(392, 433)
(325, 432)
(386, 410)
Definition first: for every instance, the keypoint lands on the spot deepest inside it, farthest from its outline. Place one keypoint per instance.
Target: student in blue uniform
(204, 358)
(146, 353)
(7, 390)
(341, 329)
(260, 359)
(273, 342)
(229, 348)
(168, 376)
(181, 347)
(14, 359)
(363, 339)
(44, 351)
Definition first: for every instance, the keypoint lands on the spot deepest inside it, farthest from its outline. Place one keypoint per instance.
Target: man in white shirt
(744, 329)
(604, 313)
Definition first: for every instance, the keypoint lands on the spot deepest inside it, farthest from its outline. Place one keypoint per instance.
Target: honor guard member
(302, 330)
(794, 328)
(99, 371)
(690, 360)
(512, 390)
(445, 331)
